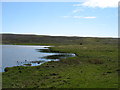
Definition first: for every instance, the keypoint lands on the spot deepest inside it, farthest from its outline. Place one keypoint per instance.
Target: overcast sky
(94, 18)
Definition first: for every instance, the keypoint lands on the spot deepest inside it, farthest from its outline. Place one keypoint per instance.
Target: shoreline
(57, 56)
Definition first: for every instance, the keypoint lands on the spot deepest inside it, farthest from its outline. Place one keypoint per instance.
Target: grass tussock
(95, 61)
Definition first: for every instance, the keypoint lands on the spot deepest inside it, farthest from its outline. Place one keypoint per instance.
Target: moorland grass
(94, 66)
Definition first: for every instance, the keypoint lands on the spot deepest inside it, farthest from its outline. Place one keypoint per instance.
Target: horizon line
(60, 35)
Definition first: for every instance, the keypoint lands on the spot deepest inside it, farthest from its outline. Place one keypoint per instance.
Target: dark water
(14, 55)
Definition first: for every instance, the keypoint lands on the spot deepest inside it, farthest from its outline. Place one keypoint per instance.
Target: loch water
(19, 55)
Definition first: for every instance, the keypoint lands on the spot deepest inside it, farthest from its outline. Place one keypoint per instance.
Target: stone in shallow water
(27, 64)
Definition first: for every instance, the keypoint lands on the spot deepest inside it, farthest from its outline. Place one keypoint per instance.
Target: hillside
(94, 66)
(56, 40)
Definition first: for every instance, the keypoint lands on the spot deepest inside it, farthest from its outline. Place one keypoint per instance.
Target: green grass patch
(95, 66)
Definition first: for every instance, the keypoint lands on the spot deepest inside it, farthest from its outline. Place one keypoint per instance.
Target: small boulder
(6, 69)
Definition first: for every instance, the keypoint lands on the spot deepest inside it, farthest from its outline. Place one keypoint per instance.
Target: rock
(20, 71)
(53, 66)
(6, 69)
(109, 72)
(53, 74)
(118, 70)
(68, 78)
(59, 77)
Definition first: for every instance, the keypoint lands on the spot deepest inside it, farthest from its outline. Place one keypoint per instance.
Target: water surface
(13, 55)
(19, 55)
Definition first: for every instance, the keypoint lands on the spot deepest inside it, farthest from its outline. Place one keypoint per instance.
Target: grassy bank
(95, 66)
